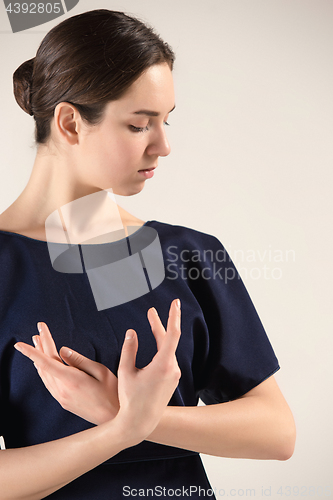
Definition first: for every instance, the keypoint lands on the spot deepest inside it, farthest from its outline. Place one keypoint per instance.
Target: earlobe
(66, 118)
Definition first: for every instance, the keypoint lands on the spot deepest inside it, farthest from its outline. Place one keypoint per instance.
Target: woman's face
(122, 151)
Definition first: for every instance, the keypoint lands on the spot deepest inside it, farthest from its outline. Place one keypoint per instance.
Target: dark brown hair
(87, 60)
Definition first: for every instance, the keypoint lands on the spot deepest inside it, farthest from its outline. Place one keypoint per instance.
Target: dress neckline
(11, 233)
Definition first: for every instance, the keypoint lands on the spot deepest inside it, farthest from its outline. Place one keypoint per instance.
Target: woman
(100, 90)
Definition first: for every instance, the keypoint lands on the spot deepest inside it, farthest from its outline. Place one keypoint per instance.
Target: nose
(159, 144)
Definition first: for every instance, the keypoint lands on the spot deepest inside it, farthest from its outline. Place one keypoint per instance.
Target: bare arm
(25, 473)
(259, 425)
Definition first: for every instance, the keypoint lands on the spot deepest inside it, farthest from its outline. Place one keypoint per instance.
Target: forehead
(152, 90)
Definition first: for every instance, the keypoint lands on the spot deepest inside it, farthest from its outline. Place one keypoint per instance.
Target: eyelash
(143, 129)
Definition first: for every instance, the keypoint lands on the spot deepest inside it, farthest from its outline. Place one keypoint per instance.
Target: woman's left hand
(82, 386)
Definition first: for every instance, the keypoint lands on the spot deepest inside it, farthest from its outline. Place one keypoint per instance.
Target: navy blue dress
(223, 352)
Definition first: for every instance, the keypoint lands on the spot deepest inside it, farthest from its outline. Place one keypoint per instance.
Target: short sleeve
(239, 354)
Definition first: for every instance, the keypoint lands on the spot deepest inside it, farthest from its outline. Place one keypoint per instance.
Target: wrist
(129, 433)
(158, 435)
(105, 414)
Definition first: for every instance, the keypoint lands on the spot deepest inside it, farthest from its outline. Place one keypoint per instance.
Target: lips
(147, 169)
(147, 173)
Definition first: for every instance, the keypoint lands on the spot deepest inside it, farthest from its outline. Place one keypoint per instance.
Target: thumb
(84, 364)
(128, 352)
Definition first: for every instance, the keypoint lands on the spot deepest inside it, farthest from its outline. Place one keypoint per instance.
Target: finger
(47, 341)
(128, 352)
(48, 383)
(42, 361)
(84, 364)
(156, 326)
(37, 343)
(173, 328)
(174, 315)
(47, 379)
(38, 346)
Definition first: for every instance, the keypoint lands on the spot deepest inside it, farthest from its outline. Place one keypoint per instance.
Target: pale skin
(258, 425)
(25, 473)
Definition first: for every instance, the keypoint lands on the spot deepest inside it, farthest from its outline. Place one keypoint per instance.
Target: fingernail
(17, 347)
(34, 339)
(129, 335)
(66, 352)
(178, 303)
(39, 327)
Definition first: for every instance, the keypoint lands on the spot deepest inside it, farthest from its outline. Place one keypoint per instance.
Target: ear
(67, 122)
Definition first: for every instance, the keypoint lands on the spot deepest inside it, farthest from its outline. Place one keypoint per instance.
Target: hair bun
(22, 80)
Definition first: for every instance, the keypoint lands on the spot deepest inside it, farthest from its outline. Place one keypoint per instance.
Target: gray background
(251, 163)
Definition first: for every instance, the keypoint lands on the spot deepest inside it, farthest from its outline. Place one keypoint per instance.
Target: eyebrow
(147, 112)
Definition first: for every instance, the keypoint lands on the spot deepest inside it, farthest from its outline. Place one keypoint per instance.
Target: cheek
(127, 149)
(116, 150)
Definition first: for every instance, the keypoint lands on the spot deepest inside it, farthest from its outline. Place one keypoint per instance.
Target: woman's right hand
(144, 393)
(143, 397)
(91, 391)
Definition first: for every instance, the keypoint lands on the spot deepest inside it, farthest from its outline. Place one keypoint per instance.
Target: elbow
(286, 440)
(286, 451)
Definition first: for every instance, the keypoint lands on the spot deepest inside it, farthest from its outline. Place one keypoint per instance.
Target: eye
(138, 129)
(143, 129)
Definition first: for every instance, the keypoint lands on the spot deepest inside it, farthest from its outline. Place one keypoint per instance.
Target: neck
(54, 185)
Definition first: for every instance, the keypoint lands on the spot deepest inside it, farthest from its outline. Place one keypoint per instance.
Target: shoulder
(200, 258)
(185, 236)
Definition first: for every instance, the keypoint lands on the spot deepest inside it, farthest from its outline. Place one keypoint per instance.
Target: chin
(128, 190)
